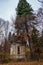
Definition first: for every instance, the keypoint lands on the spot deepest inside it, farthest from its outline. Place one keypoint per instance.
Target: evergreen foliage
(23, 8)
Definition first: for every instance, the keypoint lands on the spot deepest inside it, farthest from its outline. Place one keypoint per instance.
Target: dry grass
(24, 63)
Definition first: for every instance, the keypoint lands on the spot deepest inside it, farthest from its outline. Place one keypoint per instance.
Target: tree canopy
(23, 8)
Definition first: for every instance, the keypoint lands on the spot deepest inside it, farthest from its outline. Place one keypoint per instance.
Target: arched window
(18, 50)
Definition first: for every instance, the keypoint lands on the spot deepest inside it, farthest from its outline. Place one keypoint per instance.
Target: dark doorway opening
(18, 50)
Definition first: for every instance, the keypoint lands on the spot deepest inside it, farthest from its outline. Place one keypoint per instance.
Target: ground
(24, 63)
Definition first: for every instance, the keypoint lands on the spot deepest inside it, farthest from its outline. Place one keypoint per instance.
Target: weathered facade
(17, 50)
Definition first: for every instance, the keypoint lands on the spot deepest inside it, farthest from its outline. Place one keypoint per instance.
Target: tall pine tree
(24, 15)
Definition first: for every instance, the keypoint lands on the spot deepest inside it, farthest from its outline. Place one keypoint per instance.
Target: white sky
(7, 8)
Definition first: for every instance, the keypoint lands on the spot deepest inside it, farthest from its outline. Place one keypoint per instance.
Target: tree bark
(29, 38)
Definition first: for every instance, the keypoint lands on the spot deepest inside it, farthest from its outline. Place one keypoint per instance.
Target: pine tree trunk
(29, 38)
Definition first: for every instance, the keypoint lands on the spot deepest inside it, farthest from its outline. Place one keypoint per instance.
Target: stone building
(18, 48)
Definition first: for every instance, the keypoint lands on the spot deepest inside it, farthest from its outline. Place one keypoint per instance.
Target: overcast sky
(7, 7)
